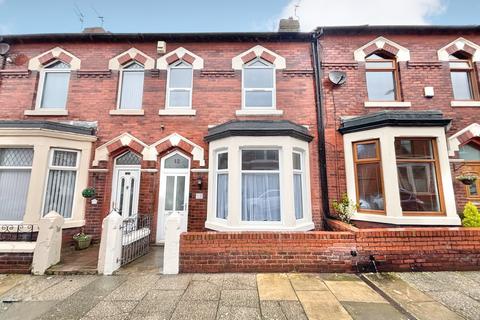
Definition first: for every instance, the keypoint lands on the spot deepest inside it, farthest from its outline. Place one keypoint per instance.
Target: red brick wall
(15, 262)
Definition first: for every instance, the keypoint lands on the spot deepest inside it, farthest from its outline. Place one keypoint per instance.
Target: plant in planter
(467, 179)
(88, 192)
(82, 240)
(344, 208)
(471, 216)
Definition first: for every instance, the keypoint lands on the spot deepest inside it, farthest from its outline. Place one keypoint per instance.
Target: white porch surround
(393, 210)
(403, 53)
(454, 143)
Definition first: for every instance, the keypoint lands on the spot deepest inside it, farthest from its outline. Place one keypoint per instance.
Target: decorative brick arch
(103, 152)
(130, 55)
(177, 54)
(461, 137)
(39, 62)
(459, 45)
(382, 44)
(177, 141)
(258, 52)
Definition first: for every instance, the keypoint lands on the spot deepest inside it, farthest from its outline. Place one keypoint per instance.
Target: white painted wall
(49, 243)
(110, 252)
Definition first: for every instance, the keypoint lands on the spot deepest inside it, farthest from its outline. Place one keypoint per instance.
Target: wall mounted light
(199, 183)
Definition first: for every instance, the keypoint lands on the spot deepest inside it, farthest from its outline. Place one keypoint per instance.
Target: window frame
(41, 84)
(121, 72)
(300, 172)
(376, 160)
(169, 89)
(273, 90)
(471, 76)
(63, 168)
(217, 173)
(438, 175)
(396, 76)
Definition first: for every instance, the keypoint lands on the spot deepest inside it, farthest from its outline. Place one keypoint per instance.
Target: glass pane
(380, 86)
(366, 150)
(16, 157)
(459, 65)
(461, 85)
(55, 90)
(260, 160)
(176, 162)
(222, 196)
(258, 98)
(223, 161)
(260, 197)
(469, 152)
(413, 149)
(374, 56)
(297, 161)
(370, 189)
(379, 65)
(169, 192)
(134, 66)
(60, 192)
(179, 98)
(122, 195)
(180, 194)
(132, 90)
(297, 195)
(258, 63)
(128, 158)
(418, 187)
(258, 78)
(63, 158)
(473, 189)
(13, 194)
(180, 77)
(58, 65)
(130, 204)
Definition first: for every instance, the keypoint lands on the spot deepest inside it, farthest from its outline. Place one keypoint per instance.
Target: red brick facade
(15, 262)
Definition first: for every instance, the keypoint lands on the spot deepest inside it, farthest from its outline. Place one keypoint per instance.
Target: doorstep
(73, 262)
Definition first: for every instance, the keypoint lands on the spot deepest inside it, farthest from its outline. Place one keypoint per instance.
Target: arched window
(258, 85)
(131, 86)
(382, 77)
(53, 85)
(179, 87)
(462, 75)
(129, 159)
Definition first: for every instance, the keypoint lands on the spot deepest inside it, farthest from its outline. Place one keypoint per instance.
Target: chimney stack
(94, 30)
(289, 25)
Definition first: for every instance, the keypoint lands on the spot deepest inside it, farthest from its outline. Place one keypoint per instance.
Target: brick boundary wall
(15, 262)
(393, 249)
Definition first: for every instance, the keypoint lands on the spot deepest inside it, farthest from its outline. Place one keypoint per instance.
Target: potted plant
(467, 179)
(88, 192)
(344, 208)
(82, 240)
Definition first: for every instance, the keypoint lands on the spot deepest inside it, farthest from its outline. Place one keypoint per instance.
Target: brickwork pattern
(15, 262)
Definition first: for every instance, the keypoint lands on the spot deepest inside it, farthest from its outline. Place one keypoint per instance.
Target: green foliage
(471, 216)
(88, 192)
(344, 208)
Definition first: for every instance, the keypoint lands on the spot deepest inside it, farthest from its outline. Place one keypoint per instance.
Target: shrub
(471, 216)
(344, 208)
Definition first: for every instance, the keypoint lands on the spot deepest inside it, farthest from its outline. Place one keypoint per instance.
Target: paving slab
(354, 291)
(239, 298)
(305, 281)
(423, 281)
(339, 277)
(322, 305)
(214, 278)
(31, 287)
(159, 303)
(64, 289)
(275, 286)
(458, 302)
(8, 281)
(462, 284)
(202, 290)
(238, 313)
(431, 311)
(282, 310)
(173, 282)
(110, 310)
(203, 310)
(239, 281)
(28, 310)
(372, 311)
(135, 288)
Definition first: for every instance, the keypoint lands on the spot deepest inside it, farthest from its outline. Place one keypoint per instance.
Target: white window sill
(73, 223)
(386, 104)
(17, 246)
(46, 112)
(259, 112)
(127, 112)
(223, 226)
(409, 220)
(177, 112)
(459, 103)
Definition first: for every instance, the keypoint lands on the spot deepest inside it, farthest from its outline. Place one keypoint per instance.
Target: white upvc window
(131, 86)
(53, 86)
(258, 85)
(298, 183)
(221, 185)
(15, 171)
(179, 85)
(61, 182)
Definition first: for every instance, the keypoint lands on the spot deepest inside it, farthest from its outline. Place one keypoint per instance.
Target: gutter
(322, 157)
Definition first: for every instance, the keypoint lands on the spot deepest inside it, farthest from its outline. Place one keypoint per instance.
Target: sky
(164, 16)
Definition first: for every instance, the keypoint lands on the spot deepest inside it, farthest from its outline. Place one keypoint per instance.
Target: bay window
(222, 185)
(259, 85)
(131, 86)
(298, 183)
(53, 86)
(179, 85)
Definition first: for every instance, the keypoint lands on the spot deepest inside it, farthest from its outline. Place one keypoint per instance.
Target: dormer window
(462, 76)
(258, 85)
(382, 78)
(53, 86)
(131, 86)
(179, 87)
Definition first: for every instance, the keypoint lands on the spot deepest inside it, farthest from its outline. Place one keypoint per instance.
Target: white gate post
(110, 253)
(171, 253)
(49, 243)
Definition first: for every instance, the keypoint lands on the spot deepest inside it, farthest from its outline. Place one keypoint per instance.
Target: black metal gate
(135, 237)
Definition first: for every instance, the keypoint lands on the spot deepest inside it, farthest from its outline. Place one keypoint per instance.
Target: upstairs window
(179, 87)
(54, 80)
(258, 85)
(463, 77)
(131, 86)
(382, 78)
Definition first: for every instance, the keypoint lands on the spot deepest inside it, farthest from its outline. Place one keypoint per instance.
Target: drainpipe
(320, 127)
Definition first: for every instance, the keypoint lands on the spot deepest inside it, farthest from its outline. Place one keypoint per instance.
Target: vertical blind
(222, 185)
(298, 184)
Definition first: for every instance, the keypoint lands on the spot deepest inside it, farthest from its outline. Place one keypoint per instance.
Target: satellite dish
(4, 47)
(337, 77)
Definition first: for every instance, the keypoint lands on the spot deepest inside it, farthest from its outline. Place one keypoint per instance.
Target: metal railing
(18, 232)
(135, 237)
